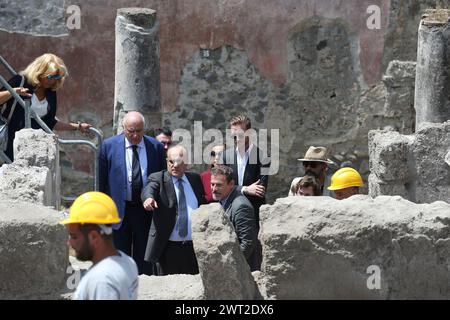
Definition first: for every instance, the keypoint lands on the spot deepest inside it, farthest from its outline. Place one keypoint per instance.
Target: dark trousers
(132, 236)
(256, 258)
(178, 258)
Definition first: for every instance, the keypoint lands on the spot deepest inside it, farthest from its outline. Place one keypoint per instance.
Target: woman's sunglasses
(54, 77)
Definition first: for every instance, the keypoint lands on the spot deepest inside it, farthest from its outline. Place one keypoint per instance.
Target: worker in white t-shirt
(114, 275)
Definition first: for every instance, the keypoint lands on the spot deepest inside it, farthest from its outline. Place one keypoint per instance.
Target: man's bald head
(133, 117)
(133, 127)
(177, 160)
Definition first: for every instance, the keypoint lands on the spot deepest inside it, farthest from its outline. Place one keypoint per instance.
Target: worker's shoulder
(113, 267)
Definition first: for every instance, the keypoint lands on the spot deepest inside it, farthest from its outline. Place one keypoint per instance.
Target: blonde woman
(41, 79)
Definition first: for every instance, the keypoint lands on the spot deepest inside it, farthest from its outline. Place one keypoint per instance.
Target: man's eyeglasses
(312, 164)
(54, 77)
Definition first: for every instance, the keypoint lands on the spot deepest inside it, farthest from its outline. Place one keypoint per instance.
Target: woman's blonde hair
(44, 65)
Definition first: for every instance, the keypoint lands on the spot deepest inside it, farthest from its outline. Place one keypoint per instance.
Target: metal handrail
(99, 136)
(7, 66)
(30, 113)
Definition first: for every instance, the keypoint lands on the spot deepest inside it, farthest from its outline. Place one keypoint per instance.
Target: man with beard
(315, 164)
(114, 275)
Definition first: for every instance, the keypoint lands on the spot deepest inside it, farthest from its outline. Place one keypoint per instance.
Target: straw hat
(319, 154)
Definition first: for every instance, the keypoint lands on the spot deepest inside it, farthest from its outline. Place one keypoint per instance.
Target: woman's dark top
(17, 121)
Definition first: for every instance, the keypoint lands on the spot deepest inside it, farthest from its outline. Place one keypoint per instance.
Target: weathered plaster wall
(310, 68)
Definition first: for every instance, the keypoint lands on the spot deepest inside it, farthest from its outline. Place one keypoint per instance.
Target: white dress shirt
(242, 162)
(129, 163)
(191, 204)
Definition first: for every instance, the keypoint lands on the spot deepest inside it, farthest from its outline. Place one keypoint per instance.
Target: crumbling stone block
(358, 248)
(171, 287)
(35, 173)
(413, 166)
(388, 153)
(223, 268)
(378, 187)
(37, 147)
(21, 182)
(33, 251)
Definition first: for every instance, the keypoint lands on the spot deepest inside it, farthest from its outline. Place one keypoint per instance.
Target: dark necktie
(182, 211)
(136, 178)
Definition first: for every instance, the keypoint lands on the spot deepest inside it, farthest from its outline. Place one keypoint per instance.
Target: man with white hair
(173, 195)
(125, 162)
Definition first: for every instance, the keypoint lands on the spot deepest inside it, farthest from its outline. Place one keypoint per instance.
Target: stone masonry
(33, 251)
(35, 174)
(321, 248)
(415, 167)
(358, 248)
(224, 271)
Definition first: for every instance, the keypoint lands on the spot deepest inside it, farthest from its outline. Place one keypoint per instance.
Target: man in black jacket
(249, 166)
(173, 195)
(238, 209)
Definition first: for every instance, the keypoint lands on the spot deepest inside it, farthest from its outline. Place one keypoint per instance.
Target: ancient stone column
(137, 83)
(432, 102)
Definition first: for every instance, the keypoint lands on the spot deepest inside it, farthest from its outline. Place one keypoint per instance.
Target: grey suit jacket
(160, 187)
(241, 214)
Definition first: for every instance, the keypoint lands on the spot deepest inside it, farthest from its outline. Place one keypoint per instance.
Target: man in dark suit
(164, 135)
(125, 162)
(247, 163)
(238, 209)
(173, 195)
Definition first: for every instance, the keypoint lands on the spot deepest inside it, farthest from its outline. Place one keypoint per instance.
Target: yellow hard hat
(345, 178)
(93, 207)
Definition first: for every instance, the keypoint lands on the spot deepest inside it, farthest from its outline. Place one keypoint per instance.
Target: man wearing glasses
(315, 164)
(125, 162)
(173, 195)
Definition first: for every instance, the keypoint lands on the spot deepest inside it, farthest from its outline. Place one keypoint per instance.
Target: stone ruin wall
(313, 247)
(417, 166)
(309, 68)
